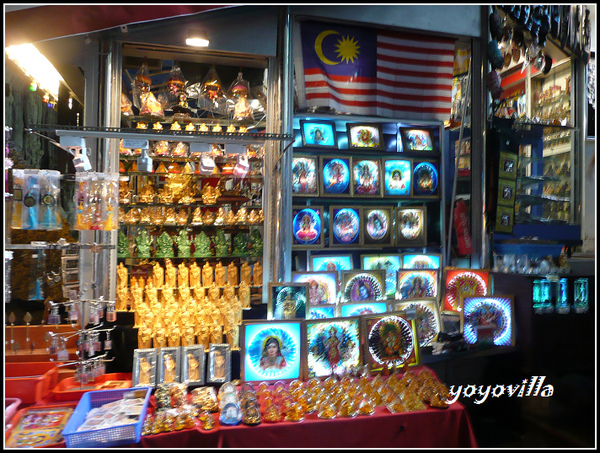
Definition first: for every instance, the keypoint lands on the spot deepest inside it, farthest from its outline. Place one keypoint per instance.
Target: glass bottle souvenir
(207, 421)
(562, 301)
(295, 413)
(228, 398)
(251, 416)
(346, 408)
(272, 413)
(231, 414)
(366, 406)
(326, 410)
(581, 303)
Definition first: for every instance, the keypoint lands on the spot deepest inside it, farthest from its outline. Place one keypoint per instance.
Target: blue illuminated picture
(366, 178)
(414, 139)
(420, 261)
(333, 346)
(425, 179)
(345, 226)
(331, 263)
(323, 312)
(397, 177)
(304, 176)
(485, 312)
(319, 134)
(335, 175)
(367, 308)
(322, 286)
(389, 263)
(271, 351)
(307, 226)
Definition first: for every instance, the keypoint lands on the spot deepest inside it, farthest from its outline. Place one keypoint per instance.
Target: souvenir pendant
(94, 318)
(111, 313)
(108, 341)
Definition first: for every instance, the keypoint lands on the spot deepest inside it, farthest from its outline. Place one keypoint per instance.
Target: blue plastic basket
(106, 437)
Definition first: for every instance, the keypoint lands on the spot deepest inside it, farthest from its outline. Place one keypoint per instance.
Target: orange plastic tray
(29, 381)
(69, 390)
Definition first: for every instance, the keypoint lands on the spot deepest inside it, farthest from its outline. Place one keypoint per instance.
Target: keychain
(108, 341)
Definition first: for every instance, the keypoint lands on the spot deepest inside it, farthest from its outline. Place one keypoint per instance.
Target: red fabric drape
(41, 23)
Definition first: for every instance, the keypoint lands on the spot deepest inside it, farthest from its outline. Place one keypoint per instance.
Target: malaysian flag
(372, 72)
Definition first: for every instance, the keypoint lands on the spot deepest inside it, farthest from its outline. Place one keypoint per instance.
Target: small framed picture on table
(144, 368)
(219, 363)
(169, 365)
(192, 366)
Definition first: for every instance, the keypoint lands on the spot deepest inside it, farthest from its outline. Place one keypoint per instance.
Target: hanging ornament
(141, 84)
(211, 88)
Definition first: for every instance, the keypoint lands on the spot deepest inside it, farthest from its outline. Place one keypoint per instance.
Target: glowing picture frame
(305, 176)
(287, 300)
(425, 179)
(323, 311)
(144, 367)
(397, 177)
(421, 261)
(332, 346)
(362, 286)
(378, 226)
(192, 364)
(330, 263)
(335, 174)
(417, 284)
(345, 226)
(307, 227)
(484, 312)
(322, 286)
(417, 139)
(365, 308)
(389, 340)
(283, 338)
(463, 282)
(390, 263)
(366, 178)
(318, 134)
(365, 136)
(428, 321)
(411, 226)
(169, 365)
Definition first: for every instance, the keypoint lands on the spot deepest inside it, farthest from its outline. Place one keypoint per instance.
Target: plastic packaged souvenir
(242, 110)
(161, 148)
(150, 105)
(141, 85)
(231, 414)
(175, 86)
(251, 416)
(239, 88)
(272, 413)
(207, 421)
(179, 149)
(211, 88)
(126, 104)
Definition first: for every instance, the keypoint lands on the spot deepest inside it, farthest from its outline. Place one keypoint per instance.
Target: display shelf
(532, 200)
(58, 246)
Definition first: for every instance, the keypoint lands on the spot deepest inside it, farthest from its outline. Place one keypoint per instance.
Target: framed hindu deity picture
(305, 176)
(488, 317)
(218, 370)
(34, 427)
(411, 226)
(460, 282)
(362, 286)
(397, 177)
(307, 227)
(421, 261)
(391, 263)
(144, 368)
(335, 176)
(378, 226)
(169, 365)
(417, 284)
(427, 318)
(344, 226)
(366, 178)
(364, 308)
(389, 340)
(322, 287)
(192, 364)
(417, 139)
(330, 263)
(365, 136)
(318, 134)
(287, 300)
(425, 179)
(332, 346)
(271, 351)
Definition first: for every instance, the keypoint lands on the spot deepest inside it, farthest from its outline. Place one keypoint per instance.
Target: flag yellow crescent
(319, 48)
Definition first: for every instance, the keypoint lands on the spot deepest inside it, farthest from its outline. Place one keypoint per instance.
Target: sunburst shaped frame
(463, 282)
(391, 263)
(428, 321)
(362, 286)
(322, 286)
(488, 311)
(389, 340)
(255, 363)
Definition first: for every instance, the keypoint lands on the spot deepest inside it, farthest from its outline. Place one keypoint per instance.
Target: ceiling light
(197, 38)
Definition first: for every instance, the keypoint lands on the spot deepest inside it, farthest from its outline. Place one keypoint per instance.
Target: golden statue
(157, 216)
(241, 216)
(132, 217)
(165, 195)
(220, 216)
(146, 193)
(230, 218)
(228, 293)
(160, 337)
(170, 274)
(182, 217)
(195, 275)
(232, 274)
(208, 217)
(210, 194)
(158, 275)
(183, 279)
(244, 295)
(187, 196)
(122, 298)
(258, 273)
(220, 274)
(197, 216)
(145, 215)
(124, 192)
(189, 337)
(170, 216)
(174, 335)
(184, 296)
(253, 217)
(144, 337)
(214, 293)
(207, 275)
(246, 274)
(122, 275)
(151, 293)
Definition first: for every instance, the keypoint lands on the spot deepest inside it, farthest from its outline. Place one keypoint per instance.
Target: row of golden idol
(160, 215)
(191, 127)
(194, 276)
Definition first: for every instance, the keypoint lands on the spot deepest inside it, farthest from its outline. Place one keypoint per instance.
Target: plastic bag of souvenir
(128, 151)
(242, 110)
(82, 203)
(49, 181)
(31, 201)
(239, 88)
(141, 85)
(18, 176)
(110, 200)
(150, 105)
(161, 148)
(126, 109)
(179, 149)
(211, 87)
(241, 167)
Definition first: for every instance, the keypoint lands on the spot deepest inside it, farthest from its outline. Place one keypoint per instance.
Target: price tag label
(196, 147)
(131, 143)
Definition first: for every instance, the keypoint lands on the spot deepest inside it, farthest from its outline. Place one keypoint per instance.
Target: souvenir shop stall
(278, 239)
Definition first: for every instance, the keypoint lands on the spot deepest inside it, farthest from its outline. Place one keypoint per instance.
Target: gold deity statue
(183, 279)
(210, 194)
(195, 275)
(146, 193)
(246, 274)
(197, 216)
(207, 275)
(258, 273)
(230, 218)
(220, 274)
(232, 274)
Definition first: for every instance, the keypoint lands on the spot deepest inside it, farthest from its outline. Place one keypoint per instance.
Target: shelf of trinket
(251, 179)
(189, 226)
(59, 246)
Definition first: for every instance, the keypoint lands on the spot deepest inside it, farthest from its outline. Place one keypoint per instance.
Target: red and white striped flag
(376, 72)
